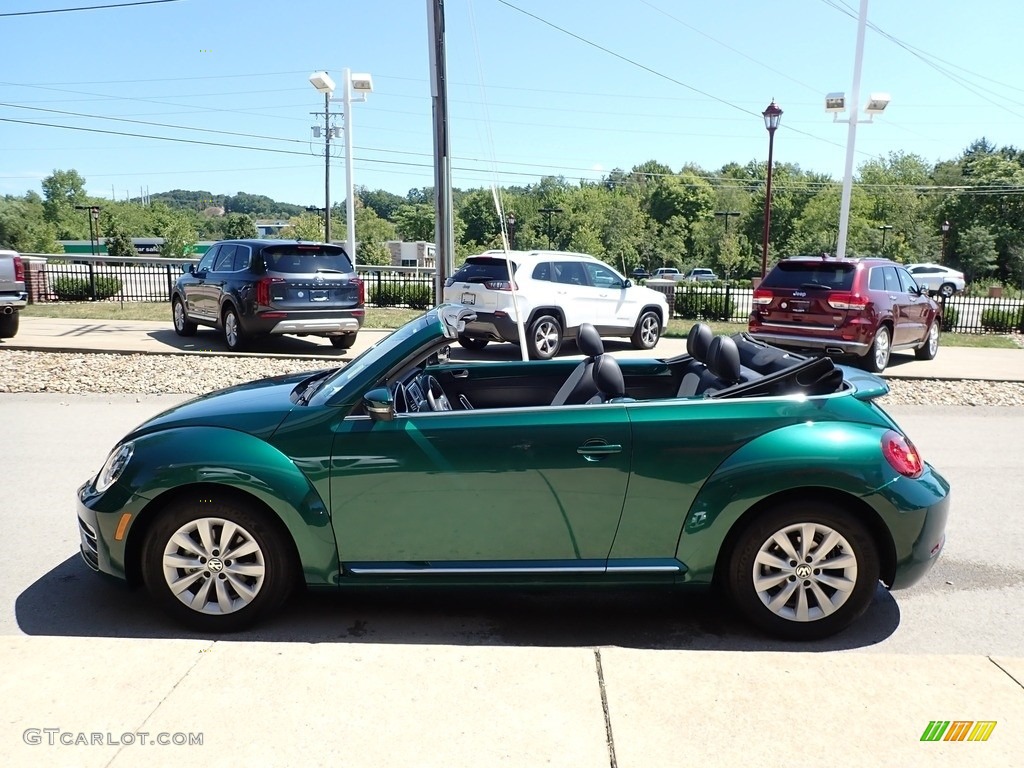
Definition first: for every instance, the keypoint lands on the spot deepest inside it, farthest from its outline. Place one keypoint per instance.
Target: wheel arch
(548, 310)
(656, 309)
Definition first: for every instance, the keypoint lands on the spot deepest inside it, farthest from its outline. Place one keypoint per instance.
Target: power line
(88, 8)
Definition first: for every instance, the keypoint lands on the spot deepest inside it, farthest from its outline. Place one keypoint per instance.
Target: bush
(81, 288)
(717, 307)
(688, 304)
(387, 295)
(419, 296)
(1000, 320)
(950, 318)
(693, 304)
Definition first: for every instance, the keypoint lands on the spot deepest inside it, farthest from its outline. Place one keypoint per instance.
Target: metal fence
(76, 277)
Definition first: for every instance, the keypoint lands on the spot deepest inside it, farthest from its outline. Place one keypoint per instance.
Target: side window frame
(225, 258)
(243, 258)
(206, 263)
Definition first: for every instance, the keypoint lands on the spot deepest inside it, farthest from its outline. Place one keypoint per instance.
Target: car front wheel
(878, 356)
(182, 325)
(544, 338)
(804, 570)
(216, 565)
(930, 348)
(647, 331)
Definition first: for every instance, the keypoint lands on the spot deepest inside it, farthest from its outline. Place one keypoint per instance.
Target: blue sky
(536, 87)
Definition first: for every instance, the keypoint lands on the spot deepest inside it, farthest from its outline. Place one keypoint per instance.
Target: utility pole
(328, 135)
(444, 228)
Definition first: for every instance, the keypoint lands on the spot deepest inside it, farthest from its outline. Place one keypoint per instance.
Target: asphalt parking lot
(512, 678)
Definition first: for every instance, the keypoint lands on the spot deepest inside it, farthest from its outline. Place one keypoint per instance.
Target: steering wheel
(436, 398)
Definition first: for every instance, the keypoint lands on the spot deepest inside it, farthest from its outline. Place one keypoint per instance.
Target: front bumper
(103, 530)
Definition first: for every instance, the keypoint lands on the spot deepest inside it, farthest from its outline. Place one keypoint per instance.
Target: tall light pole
(771, 116)
(548, 212)
(324, 84)
(510, 226)
(885, 228)
(727, 215)
(945, 235)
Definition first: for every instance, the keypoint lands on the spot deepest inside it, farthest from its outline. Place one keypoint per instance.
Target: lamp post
(727, 215)
(548, 212)
(771, 116)
(510, 226)
(885, 228)
(945, 235)
(94, 226)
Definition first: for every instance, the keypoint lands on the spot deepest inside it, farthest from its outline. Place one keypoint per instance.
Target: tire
(213, 591)
(9, 325)
(930, 347)
(182, 325)
(781, 589)
(878, 356)
(343, 342)
(234, 336)
(946, 290)
(647, 331)
(544, 338)
(467, 342)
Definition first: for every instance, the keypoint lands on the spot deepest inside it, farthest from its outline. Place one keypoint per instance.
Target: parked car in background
(865, 308)
(667, 273)
(555, 293)
(640, 273)
(254, 288)
(13, 296)
(938, 279)
(782, 482)
(700, 273)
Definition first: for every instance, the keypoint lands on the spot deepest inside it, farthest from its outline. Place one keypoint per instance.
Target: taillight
(901, 454)
(361, 287)
(263, 290)
(848, 301)
(763, 296)
(500, 285)
(19, 270)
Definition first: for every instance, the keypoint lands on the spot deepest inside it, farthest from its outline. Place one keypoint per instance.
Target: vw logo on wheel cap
(803, 571)
(215, 565)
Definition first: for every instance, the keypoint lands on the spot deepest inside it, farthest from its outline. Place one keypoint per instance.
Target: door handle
(462, 374)
(598, 451)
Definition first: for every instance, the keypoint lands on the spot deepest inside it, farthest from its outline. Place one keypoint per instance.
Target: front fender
(166, 462)
(838, 457)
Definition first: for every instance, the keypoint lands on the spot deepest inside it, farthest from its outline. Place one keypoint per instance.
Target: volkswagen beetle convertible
(774, 476)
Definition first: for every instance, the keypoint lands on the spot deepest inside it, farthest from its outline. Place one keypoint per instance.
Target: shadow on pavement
(211, 340)
(71, 600)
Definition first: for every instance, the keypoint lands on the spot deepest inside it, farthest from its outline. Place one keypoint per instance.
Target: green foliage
(688, 304)
(419, 296)
(387, 295)
(238, 226)
(83, 289)
(717, 306)
(178, 231)
(120, 245)
(950, 318)
(415, 222)
(308, 226)
(414, 295)
(705, 303)
(372, 235)
(1000, 320)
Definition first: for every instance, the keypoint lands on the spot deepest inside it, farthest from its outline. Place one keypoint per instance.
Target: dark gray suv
(253, 288)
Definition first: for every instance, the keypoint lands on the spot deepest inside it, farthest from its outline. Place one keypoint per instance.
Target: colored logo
(958, 730)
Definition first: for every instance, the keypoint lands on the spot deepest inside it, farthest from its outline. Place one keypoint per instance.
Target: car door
(919, 312)
(616, 307)
(543, 487)
(218, 277)
(195, 290)
(900, 305)
(573, 294)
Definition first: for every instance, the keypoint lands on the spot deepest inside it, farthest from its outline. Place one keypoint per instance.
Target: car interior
(714, 367)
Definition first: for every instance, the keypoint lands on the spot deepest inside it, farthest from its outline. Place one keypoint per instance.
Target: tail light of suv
(263, 290)
(361, 287)
(500, 285)
(19, 270)
(843, 300)
(762, 297)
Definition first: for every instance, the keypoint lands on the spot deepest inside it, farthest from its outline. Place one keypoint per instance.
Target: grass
(393, 317)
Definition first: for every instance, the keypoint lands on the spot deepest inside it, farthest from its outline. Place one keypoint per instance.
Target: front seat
(723, 365)
(580, 386)
(611, 384)
(698, 344)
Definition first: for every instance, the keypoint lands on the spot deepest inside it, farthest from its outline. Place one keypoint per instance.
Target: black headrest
(589, 341)
(698, 340)
(724, 359)
(608, 377)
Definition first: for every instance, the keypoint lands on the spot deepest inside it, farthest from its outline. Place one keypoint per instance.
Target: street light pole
(350, 205)
(548, 211)
(945, 234)
(885, 228)
(727, 215)
(510, 226)
(771, 115)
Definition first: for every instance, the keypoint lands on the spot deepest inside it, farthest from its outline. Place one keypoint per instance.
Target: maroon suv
(861, 307)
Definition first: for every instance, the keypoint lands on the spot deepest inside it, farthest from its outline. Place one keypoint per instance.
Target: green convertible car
(772, 476)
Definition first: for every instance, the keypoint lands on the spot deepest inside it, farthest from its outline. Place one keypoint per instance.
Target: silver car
(937, 278)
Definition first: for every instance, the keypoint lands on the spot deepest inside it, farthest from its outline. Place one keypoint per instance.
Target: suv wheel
(9, 325)
(343, 342)
(469, 343)
(182, 325)
(878, 356)
(234, 336)
(544, 338)
(930, 348)
(647, 331)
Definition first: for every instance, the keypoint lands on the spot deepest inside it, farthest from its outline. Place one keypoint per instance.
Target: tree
(977, 253)
(178, 231)
(307, 226)
(119, 241)
(238, 226)
(415, 222)
(372, 235)
(384, 204)
(62, 191)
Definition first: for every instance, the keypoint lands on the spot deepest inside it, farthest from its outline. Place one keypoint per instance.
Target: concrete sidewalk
(59, 334)
(379, 705)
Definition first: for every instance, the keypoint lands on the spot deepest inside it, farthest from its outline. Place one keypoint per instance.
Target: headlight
(114, 466)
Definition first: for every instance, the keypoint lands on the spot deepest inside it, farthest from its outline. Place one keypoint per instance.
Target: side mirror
(627, 283)
(190, 268)
(379, 404)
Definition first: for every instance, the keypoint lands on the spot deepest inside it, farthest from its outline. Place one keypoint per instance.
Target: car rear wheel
(470, 343)
(930, 348)
(182, 325)
(946, 290)
(803, 570)
(647, 331)
(343, 342)
(216, 565)
(9, 325)
(544, 338)
(234, 336)
(878, 356)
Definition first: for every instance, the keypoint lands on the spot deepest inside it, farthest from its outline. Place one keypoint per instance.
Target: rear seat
(698, 342)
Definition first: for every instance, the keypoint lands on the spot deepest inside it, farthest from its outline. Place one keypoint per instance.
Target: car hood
(257, 407)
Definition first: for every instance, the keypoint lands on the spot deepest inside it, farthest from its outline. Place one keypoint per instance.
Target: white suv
(555, 292)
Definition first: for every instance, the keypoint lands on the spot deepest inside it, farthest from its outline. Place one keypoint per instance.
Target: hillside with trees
(651, 215)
